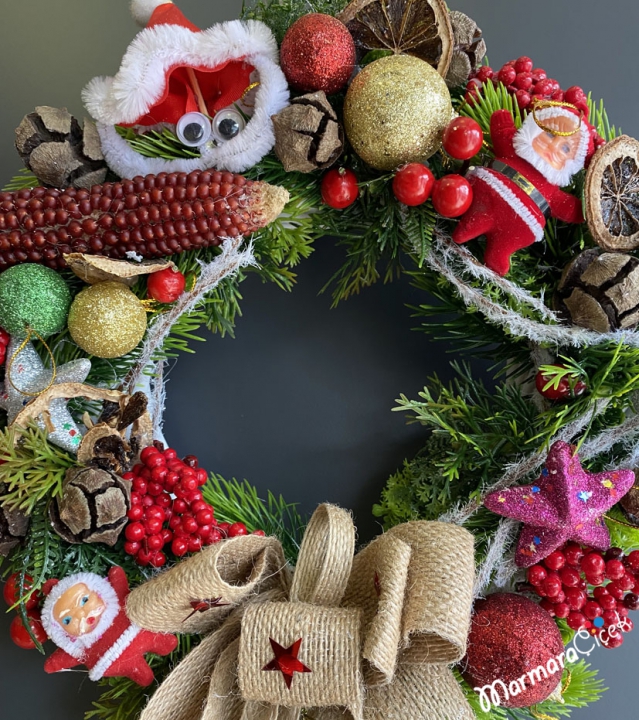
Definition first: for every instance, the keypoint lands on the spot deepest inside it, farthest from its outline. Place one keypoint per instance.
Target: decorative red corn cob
(151, 216)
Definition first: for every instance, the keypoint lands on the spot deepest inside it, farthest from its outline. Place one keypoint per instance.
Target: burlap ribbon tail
(369, 637)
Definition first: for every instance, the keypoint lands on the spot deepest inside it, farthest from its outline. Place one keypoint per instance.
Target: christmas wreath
(216, 153)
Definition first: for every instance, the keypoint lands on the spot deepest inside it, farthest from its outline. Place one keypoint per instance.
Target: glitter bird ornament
(566, 503)
(26, 377)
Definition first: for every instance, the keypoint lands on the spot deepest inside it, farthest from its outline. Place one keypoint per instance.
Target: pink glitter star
(566, 503)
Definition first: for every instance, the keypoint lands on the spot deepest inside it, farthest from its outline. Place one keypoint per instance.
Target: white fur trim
(114, 652)
(530, 130)
(77, 646)
(142, 10)
(140, 83)
(492, 179)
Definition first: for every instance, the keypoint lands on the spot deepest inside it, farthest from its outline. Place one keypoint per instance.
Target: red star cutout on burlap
(286, 661)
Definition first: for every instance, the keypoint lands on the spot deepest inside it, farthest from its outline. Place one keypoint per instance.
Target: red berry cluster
(590, 589)
(167, 508)
(19, 633)
(567, 388)
(4, 343)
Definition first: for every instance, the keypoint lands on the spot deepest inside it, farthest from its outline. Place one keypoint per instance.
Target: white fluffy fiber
(141, 80)
(143, 9)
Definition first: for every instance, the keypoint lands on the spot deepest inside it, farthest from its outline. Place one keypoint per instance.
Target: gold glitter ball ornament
(396, 111)
(107, 320)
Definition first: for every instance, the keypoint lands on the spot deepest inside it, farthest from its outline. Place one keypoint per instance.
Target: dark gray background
(300, 401)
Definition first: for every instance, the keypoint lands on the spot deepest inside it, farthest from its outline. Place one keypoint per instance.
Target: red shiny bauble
(20, 635)
(12, 592)
(509, 635)
(166, 286)
(339, 188)
(317, 53)
(566, 388)
(452, 196)
(413, 184)
(463, 138)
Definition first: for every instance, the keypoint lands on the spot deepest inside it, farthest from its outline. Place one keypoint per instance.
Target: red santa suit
(512, 198)
(116, 647)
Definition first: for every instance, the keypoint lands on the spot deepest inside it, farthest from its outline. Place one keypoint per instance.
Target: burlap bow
(370, 637)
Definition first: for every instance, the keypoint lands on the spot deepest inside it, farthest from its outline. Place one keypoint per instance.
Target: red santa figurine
(85, 616)
(513, 197)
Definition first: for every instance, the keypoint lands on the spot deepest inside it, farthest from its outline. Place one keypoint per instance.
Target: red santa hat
(534, 125)
(154, 87)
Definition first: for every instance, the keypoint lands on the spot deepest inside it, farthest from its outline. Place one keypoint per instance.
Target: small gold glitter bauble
(396, 111)
(107, 320)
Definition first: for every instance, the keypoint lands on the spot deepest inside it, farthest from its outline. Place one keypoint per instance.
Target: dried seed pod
(58, 151)
(92, 507)
(308, 135)
(630, 505)
(468, 51)
(600, 291)
(13, 527)
(612, 185)
(150, 217)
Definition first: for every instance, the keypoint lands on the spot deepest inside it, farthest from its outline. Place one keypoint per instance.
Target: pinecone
(469, 49)
(600, 291)
(152, 216)
(630, 505)
(308, 135)
(58, 151)
(13, 527)
(92, 507)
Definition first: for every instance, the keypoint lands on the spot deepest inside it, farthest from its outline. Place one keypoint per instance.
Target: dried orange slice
(412, 27)
(612, 193)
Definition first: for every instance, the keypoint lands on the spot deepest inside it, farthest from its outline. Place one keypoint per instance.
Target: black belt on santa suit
(523, 183)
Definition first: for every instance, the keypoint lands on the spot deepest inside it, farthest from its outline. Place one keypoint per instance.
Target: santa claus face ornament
(216, 89)
(78, 610)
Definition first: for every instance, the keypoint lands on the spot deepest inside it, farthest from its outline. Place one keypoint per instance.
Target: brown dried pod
(421, 28)
(630, 504)
(13, 527)
(600, 291)
(58, 151)
(95, 269)
(469, 49)
(308, 135)
(612, 194)
(92, 508)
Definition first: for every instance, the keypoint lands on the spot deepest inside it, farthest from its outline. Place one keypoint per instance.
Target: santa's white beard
(530, 131)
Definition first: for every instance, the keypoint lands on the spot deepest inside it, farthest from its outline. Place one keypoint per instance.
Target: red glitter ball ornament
(509, 637)
(317, 53)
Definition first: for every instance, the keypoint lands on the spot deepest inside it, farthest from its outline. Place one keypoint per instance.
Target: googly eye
(228, 124)
(193, 129)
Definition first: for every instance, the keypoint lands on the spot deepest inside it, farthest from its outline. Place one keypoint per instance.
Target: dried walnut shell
(93, 506)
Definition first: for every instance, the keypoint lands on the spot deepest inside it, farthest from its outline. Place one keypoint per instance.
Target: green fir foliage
(279, 15)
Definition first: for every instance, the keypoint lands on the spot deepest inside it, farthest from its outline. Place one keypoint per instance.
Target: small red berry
(152, 526)
(592, 609)
(195, 544)
(607, 602)
(179, 546)
(204, 517)
(593, 564)
(12, 591)
(523, 99)
(537, 574)
(189, 523)
(569, 577)
(611, 638)
(552, 585)
(626, 582)
(223, 527)
(155, 542)
(565, 388)
(135, 532)
(463, 138)
(595, 580)
(576, 620)
(157, 559)
(179, 506)
(524, 64)
(170, 454)
(615, 569)
(575, 597)
(132, 548)
(202, 477)
(139, 485)
(485, 73)
(339, 188)
(413, 184)
(545, 87)
(166, 286)
(260, 533)
(562, 610)
(214, 537)
(20, 635)
(555, 561)
(143, 557)
(558, 96)
(548, 606)
(136, 512)
(633, 560)
(452, 196)
(507, 75)
(237, 529)
(167, 535)
(616, 590)
(573, 554)
(524, 81)
(539, 74)
(144, 455)
(631, 601)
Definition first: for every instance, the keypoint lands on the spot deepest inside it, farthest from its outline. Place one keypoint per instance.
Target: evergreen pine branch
(279, 15)
(162, 143)
(31, 469)
(235, 501)
(490, 99)
(621, 534)
(24, 180)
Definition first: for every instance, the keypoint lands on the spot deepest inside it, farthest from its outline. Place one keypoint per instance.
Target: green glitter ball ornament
(33, 297)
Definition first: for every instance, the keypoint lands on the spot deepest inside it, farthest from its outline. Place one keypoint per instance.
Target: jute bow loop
(368, 637)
